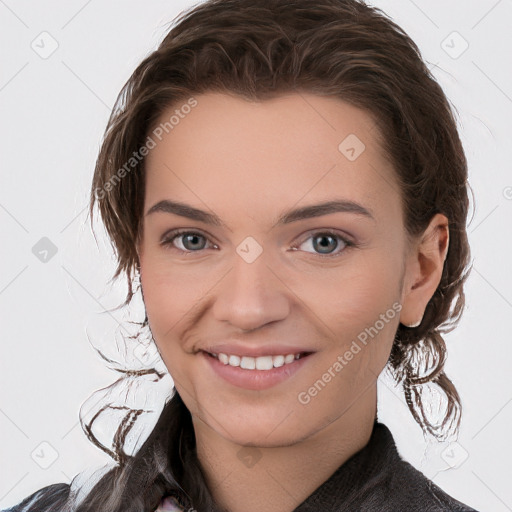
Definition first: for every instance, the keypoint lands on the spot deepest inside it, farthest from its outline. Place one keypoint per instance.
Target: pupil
(322, 246)
(193, 238)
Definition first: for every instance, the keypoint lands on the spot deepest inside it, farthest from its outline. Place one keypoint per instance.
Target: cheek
(174, 299)
(361, 307)
(353, 296)
(166, 308)
(170, 290)
(168, 298)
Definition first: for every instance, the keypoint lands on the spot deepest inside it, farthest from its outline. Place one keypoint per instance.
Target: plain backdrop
(62, 66)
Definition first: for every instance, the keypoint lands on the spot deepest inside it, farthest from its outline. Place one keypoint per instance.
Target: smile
(257, 363)
(255, 373)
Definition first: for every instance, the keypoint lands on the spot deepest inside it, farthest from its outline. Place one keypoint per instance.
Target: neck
(278, 479)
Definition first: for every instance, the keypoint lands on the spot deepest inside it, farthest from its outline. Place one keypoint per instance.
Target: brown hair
(258, 49)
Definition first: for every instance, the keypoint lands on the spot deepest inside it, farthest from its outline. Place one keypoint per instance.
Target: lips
(252, 378)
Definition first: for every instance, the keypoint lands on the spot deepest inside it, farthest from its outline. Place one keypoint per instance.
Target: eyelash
(169, 238)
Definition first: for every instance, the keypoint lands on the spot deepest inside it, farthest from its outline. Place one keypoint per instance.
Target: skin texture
(249, 162)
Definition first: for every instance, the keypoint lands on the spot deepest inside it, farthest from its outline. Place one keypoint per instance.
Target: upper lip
(241, 350)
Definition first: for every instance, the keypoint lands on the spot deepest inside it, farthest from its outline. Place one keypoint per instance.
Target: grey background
(54, 110)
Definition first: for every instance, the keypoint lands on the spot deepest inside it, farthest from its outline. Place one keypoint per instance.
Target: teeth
(264, 363)
(278, 361)
(256, 363)
(234, 360)
(248, 363)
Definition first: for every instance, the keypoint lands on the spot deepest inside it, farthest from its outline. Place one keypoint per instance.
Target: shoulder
(393, 484)
(52, 498)
(410, 486)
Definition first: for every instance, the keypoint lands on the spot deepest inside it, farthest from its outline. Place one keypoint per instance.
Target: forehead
(295, 147)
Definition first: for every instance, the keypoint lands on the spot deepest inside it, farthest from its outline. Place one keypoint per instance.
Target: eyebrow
(302, 213)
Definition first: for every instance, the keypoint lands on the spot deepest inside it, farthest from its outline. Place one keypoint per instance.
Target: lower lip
(255, 379)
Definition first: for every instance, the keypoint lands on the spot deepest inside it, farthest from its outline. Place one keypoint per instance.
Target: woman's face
(249, 277)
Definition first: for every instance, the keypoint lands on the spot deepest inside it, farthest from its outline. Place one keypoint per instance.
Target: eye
(325, 242)
(184, 241)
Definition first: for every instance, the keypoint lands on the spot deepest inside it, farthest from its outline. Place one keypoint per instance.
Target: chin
(264, 426)
(261, 435)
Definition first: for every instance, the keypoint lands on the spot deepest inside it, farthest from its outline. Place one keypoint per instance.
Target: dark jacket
(375, 479)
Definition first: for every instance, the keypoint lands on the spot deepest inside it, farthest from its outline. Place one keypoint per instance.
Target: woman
(287, 182)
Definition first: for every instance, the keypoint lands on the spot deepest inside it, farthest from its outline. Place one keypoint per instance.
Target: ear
(423, 270)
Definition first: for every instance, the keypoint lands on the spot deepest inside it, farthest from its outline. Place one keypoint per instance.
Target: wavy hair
(258, 49)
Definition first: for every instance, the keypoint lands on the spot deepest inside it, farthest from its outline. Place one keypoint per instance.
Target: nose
(251, 295)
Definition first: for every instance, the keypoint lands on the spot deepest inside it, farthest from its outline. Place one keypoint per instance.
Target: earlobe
(424, 270)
